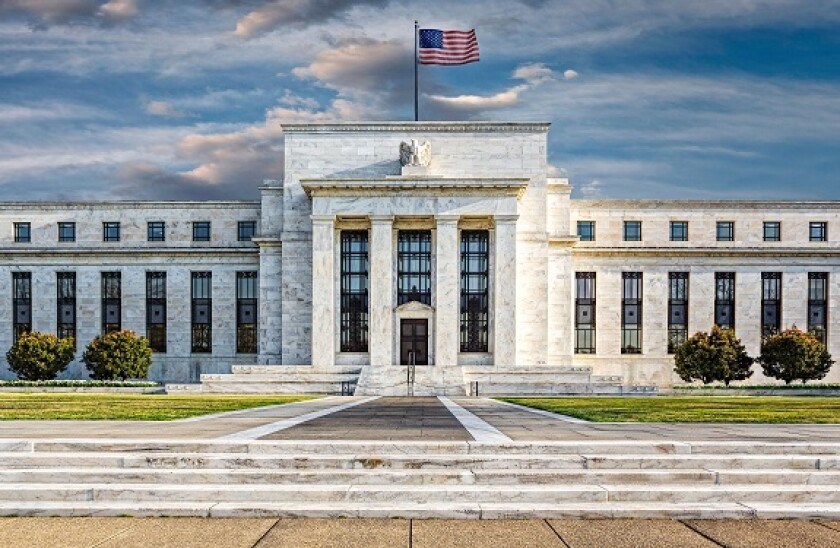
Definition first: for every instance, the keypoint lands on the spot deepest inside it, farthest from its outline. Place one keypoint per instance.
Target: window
(771, 303)
(156, 310)
(725, 300)
(631, 313)
(725, 231)
(202, 303)
(246, 312)
(247, 230)
(66, 305)
(677, 309)
(586, 231)
(21, 304)
(201, 231)
(23, 233)
(66, 232)
(475, 275)
(111, 302)
(632, 231)
(584, 313)
(354, 291)
(679, 231)
(414, 266)
(156, 231)
(818, 232)
(110, 232)
(818, 305)
(772, 231)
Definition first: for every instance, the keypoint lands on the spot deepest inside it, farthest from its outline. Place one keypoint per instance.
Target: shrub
(40, 356)
(715, 356)
(118, 355)
(794, 354)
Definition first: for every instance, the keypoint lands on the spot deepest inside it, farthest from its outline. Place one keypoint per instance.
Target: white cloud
(278, 13)
(164, 109)
(570, 74)
(119, 10)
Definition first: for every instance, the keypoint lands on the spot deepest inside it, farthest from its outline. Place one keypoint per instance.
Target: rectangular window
(679, 231)
(632, 231)
(21, 304)
(772, 231)
(156, 231)
(354, 291)
(631, 313)
(201, 231)
(771, 303)
(202, 303)
(586, 231)
(584, 313)
(414, 266)
(818, 305)
(725, 231)
(725, 300)
(23, 233)
(818, 232)
(66, 232)
(110, 232)
(677, 309)
(246, 312)
(66, 305)
(475, 277)
(156, 310)
(246, 230)
(111, 302)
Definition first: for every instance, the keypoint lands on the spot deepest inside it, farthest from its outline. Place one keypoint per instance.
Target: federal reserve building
(446, 247)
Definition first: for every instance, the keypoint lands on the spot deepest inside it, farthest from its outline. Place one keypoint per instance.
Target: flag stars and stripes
(447, 47)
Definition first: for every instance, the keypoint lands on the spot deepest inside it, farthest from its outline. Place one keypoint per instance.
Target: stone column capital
(447, 219)
(505, 218)
(323, 219)
(381, 219)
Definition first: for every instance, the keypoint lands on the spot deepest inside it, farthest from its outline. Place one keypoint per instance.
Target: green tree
(40, 356)
(118, 355)
(794, 354)
(715, 356)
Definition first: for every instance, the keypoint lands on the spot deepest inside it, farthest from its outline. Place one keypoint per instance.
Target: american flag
(448, 47)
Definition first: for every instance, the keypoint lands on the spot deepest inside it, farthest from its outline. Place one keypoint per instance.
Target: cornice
(428, 127)
(126, 251)
(414, 186)
(704, 252)
(706, 204)
(165, 204)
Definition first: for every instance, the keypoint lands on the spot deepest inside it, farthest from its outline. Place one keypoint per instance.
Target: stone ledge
(445, 127)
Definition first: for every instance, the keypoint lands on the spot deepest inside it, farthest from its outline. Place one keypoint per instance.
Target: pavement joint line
(478, 428)
(557, 533)
(557, 416)
(266, 429)
(226, 414)
(267, 531)
(118, 533)
(702, 533)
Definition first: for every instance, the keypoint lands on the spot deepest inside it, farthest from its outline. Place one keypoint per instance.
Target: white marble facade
(476, 176)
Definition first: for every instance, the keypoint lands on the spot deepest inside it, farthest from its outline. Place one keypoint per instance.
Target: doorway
(414, 341)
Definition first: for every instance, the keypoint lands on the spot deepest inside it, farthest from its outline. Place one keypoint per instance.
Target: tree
(794, 354)
(40, 356)
(715, 356)
(118, 355)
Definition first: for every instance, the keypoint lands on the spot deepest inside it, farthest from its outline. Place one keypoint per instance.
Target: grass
(717, 409)
(80, 384)
(132, 407)
(792, 386)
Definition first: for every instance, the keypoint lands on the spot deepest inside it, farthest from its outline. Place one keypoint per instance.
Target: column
(447, 273)
(270, 314)
(504, 287)
(323, 290)
(381, 290)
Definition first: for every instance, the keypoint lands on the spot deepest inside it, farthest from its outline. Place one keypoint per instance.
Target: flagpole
(416, 103)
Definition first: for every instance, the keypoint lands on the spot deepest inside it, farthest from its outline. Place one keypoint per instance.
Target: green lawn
(133, 407)
(754, 409)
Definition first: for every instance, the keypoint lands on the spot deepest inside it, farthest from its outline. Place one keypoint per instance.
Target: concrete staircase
(276, 379)
(428, 381)
(420, 479)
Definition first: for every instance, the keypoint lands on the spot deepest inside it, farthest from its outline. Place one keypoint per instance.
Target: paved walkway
(301, 533)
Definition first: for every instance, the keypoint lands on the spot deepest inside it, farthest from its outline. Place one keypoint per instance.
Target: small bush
(118, 355)
(40, 356)
(795, 355)
(710, 357)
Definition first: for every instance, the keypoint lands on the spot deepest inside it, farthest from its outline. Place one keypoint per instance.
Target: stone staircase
(547, 381)
(276, 379)
(420, 479)
(428, 381)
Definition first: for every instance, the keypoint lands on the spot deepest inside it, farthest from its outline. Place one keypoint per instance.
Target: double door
(414, 342)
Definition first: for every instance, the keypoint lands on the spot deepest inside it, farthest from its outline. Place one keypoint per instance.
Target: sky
(185, 99)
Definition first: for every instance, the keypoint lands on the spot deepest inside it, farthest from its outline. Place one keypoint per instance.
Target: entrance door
(414, 340)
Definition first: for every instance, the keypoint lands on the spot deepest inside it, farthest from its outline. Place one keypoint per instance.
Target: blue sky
(184, 99)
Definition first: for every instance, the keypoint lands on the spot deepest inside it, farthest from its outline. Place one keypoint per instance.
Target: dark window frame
(247, 312)
(772, 231)
(721, 229)
(354, 313)
(21, 304)
(246, 230)
(69, 236)
(475, 291)
(156, 231)
(725, 299)
(111, 284)
(679, 231)
(821, 234)
(585, 321)
(414, 264)
(818, 305)
(628, 235)
(65, 285)
(23, 233)
(631, 312)
(678, 294)
(201, 300)
(111, 231)
(771, 303)
(156, 311)
(198, 227)
(589, 234)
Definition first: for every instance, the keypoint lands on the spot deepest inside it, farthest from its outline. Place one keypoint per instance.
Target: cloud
(163, 109)
(119, 10)
(570, 74)
(42, 13)
(298, 13)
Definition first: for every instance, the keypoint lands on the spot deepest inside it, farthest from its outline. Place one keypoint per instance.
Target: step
(271, 387)
(295, 370)
(315, 378)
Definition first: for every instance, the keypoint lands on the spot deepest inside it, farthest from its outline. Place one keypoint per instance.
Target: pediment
(414, 306)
